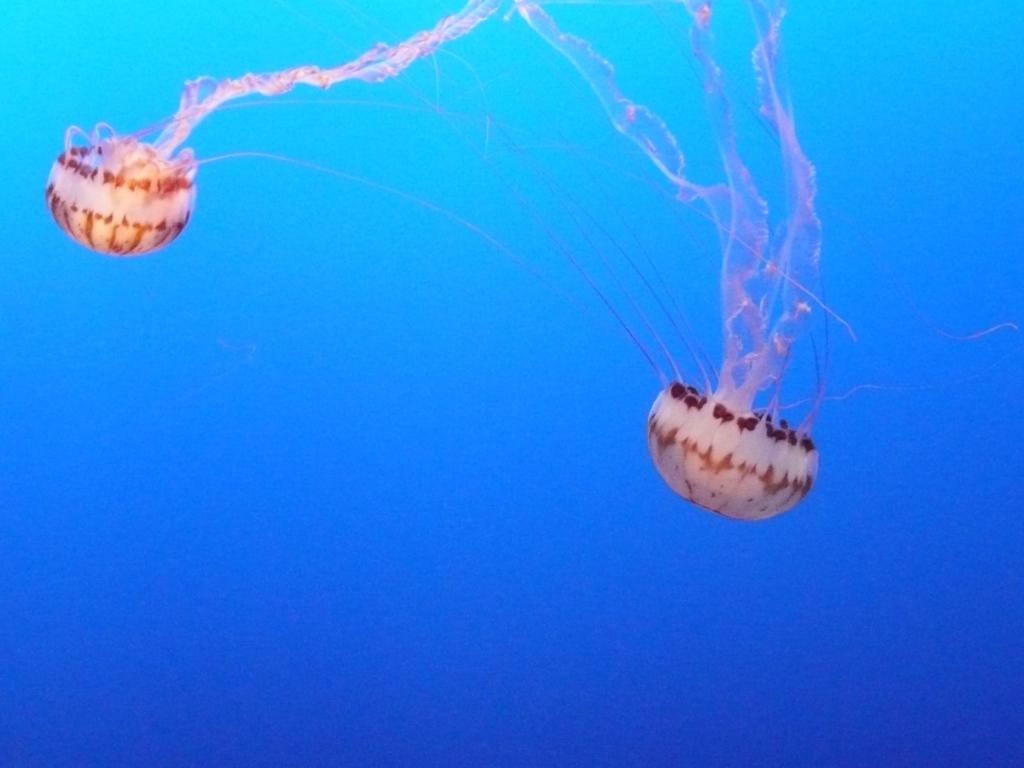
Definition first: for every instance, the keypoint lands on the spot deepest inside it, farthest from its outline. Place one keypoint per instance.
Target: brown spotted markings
(120, 197)
(739, 465)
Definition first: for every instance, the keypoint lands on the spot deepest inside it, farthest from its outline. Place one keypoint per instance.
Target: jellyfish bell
(119, 196)
(738, 464)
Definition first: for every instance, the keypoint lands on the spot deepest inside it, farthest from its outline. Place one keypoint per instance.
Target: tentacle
(204, 95)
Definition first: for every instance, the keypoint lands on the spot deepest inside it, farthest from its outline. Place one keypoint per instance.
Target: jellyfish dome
(738, 464)
(121, 197)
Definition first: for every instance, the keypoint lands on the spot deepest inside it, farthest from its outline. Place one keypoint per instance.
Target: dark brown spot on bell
(748, 423)
(722, 413)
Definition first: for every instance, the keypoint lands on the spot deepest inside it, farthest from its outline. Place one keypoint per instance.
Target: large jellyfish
(121, 196)
(713, 448)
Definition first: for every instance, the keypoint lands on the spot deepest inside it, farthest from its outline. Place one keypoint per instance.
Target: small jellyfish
(121, 196)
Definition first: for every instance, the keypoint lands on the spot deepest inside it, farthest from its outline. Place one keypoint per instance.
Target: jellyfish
(715, 447)
(121, 196)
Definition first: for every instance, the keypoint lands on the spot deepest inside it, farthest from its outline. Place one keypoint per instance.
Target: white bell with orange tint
(119, 196)
(740, 465)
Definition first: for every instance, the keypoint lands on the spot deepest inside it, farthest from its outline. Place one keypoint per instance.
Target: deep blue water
(333, 481)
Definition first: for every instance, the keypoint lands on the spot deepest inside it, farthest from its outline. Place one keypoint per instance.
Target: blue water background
(333, 481)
